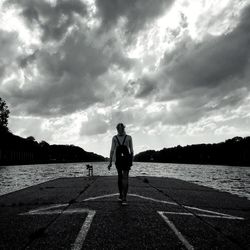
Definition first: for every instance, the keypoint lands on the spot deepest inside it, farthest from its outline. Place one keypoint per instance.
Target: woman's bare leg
(120, 185)
(125, 183)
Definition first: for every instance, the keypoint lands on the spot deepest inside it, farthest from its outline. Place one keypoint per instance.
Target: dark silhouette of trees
(235, 151)
(4, 115)
(44, 144)
(31, 138)
(17, 150)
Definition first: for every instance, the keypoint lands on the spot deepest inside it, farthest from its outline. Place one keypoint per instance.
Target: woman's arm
(111, 153)
(111, 156)
(131, 147)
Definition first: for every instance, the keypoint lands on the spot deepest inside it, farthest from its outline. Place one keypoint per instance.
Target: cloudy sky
(176, 72)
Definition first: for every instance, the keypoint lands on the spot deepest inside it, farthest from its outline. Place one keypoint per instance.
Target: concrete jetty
(84, 213)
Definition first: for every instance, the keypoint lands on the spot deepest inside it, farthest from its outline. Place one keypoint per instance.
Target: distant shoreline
(232, 152)
(15, 150)
(188, 163)
(49, 163)
(85, 162)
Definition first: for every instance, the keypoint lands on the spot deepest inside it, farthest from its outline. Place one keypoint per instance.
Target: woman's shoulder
(129, 137)
(114, 137)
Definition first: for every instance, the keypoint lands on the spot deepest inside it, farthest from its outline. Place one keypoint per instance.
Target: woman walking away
(122, 150)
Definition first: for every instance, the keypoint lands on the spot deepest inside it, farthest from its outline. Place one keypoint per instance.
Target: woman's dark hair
(120, 124)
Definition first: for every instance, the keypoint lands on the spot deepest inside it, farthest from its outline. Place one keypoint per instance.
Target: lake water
(235, 180)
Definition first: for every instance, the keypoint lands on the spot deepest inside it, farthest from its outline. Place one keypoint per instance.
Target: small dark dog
(90, 168)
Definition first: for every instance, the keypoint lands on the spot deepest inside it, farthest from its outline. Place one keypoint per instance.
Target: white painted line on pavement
(209, 211)
(50, 210)
(167, 202)
(40, 210)
(135, 195)
(100, 197)
(190, 207)
(84, 230)
(206, 215)
(176, 231)
(59, 209)
(152, 199)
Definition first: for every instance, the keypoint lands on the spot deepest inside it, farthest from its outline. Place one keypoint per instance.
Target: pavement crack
(218, 231)
(42, 231)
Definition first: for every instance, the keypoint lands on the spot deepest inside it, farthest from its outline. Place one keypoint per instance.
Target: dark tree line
(17, 150)
(4, 115)
(235, 151)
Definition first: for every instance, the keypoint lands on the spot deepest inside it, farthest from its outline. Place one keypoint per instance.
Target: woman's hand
(109, 166)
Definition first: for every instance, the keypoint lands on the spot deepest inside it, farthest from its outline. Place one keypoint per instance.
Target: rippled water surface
(235, 180)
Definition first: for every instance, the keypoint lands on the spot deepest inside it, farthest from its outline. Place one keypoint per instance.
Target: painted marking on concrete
(190, 207)
(58, 209)
(176, 231)
(134, 195)
(209, 211)
(45, 210)
(152, 199)
(84, 230)
(50, 210)
(207, 215)
(100, 197)
(223, 215)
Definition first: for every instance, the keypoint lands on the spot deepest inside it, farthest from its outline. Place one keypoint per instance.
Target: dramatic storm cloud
(174, 71)
(136, 14)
